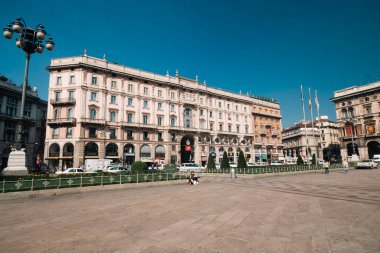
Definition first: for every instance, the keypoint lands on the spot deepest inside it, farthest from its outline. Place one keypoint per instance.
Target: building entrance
(187, 149)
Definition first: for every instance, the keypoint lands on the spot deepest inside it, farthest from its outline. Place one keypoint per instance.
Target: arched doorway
(129, 154)
(350, 149)
(373, 149)
(187, 149)
(112, 152)
(54, 156)
(91, 149)
(68, 153)
(159, 154)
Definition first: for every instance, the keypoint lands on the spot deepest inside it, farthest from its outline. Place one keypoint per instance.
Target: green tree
(314, 160)
(225, 164)
(139, 167)
(241, 160)
(299, 160)
(210, 162)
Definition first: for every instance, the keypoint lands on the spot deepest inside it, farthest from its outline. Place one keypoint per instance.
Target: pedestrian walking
(345, 166)
(326, 166)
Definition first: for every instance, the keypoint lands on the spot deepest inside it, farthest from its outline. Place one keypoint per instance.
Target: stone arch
(54, 150)
(91, 149)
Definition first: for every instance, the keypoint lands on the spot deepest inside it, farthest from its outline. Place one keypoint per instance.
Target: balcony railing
(71, 121)
(93, 121)
(58, 102)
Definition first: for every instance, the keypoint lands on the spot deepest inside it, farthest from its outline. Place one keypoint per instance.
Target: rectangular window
(92, 132)
(59, 80)
(69, 132)
(159, 93)
(220, 116)
(112, 133)
(129, 117)
(220, 104)
(229, 116)
(145, 136)
(129, 135)
(220, 127)
(245, 109)
(159, 136)
(173, 138)
(145, 119)
(72, 79)
(145, 104)
(94, 80)
(113, 84)
(159, 106)
(210, 114)
(237, 117)
(113, 116)
(71, 95)
(211, 126)
(159, 120)
(130, 102)
(55, 133)
(172, 95)
(210, 102)
(237, 129)
(201, 101)
(93, 96)
(236, 108)
(145, 91)
(58, 96)
(172, 108)
(246, 129)
(130, 87)
(113, 99)
(228, 106)
(201, 112)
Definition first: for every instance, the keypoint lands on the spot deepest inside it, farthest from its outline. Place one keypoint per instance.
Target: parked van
(96, 165)
(376, 159)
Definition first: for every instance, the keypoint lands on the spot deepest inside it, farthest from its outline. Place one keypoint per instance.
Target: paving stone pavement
(292, 213)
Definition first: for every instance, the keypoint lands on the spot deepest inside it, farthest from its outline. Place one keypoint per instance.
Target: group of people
(326, 166)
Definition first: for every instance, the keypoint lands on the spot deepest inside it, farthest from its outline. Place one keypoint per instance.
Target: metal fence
(83, 181)
(271, 169)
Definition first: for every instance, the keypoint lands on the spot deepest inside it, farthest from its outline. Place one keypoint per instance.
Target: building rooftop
(350, 91)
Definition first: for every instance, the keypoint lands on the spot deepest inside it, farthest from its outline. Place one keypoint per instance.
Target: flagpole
(304, 122)
(312, 116)
(319, 120)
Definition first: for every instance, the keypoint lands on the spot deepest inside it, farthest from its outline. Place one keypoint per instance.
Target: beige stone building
(34, 127)
(358, 117)
(98, 109)
(306, 141)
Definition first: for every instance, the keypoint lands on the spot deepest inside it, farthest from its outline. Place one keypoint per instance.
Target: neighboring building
(358, 113)
(35, 112)
(299, 140)
(267, 128)
(99, 109)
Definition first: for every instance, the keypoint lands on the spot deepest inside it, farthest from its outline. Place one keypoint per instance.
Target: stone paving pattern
(290, 213)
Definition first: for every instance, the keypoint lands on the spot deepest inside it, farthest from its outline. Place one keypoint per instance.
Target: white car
(191, 166)
(275, 163)
(233, 165)
(116, 169)
(366, 164)
(249, 164)
(71, 171)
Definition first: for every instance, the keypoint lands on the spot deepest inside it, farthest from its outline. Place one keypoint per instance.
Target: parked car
(116, 169)
(191, 166)
(366, 164)
(277, 163)
(249, 164)
(71, 171)
(233, 165)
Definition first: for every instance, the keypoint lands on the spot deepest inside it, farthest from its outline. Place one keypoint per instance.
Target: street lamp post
(30, 40)
(354, 157)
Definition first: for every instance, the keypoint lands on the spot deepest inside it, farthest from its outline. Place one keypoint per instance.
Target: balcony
(93, 121)
(62, 102)
(61, 121)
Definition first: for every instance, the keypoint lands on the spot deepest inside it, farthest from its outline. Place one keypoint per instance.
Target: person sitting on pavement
(193, 179)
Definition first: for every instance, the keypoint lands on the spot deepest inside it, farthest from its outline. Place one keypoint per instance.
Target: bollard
(233, 174)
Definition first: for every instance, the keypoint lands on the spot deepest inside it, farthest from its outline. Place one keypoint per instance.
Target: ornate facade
(99, 109)
(358, 116)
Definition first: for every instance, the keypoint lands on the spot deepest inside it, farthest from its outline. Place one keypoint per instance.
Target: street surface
(292, 213)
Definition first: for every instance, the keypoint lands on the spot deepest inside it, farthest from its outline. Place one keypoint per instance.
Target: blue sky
(267, 48)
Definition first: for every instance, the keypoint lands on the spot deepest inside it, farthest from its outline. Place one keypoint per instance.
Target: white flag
(316, 100)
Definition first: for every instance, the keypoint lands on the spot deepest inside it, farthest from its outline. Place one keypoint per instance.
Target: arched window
(111, 150)
(145, 151)
(112, 116)
(91, 149)
(68, 149)
(54, 150)
(93, 113)
(160, 152)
